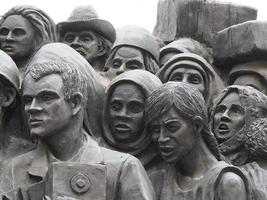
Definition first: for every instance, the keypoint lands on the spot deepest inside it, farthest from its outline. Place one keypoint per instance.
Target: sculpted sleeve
(134, 183)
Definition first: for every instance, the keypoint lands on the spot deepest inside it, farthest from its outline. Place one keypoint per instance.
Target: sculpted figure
(124, 128)
(23, 30)
(134, 48)
(177, 119)
(194, 70)
(234, 110)
(256, 168)
(253, 74)
(55, 93)
(91, 36)
(184, 45)
(11, 142)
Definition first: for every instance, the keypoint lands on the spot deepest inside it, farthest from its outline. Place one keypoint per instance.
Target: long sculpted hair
(188, 102)
(43, 25)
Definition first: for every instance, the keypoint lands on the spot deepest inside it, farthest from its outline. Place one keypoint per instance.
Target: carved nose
(33, 108)
(9, 36)
(225, 116)
(121, 69)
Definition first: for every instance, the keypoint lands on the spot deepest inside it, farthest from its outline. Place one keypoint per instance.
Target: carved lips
(7, 48)
(223, 128)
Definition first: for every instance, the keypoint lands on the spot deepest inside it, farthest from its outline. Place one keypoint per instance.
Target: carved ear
(76, 101)
(8, 96)
(102, 47)
(198, 125)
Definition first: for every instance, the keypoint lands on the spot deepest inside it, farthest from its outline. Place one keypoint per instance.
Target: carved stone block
(198, 19)
(241, 43)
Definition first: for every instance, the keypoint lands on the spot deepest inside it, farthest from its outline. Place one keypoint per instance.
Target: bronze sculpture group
(88, 111)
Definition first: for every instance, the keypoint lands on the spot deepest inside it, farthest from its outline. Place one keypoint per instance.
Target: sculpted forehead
(52, 82)
(231, 98)
(129, 52)
(16, 21)
(128, 90)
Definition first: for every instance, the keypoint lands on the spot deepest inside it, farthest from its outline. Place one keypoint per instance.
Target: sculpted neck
(98, 64)
(197, 162)
(66, 142)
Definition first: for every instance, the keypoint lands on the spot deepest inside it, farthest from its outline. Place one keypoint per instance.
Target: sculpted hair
(43, 25)
(73, 79)
(256, 140)
(151, 64)
(105, 42)
(188, 102)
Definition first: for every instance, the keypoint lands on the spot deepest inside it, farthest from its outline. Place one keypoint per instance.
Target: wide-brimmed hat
(86, 18)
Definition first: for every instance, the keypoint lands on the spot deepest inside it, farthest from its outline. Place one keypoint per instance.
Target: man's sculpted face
(47, 110)
(17, 37)
(229, 117)
(85, 42)
(126, 112)
(174, 135)
(126, 59)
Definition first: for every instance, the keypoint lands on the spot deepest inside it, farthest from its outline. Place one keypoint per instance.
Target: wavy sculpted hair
(188, 102)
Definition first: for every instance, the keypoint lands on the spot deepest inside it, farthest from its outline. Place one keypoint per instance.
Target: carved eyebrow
(171, 120)
(135, 61)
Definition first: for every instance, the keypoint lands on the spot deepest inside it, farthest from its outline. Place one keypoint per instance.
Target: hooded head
(193, 69)
(253, 74)
(124, 110)
(232, 113)
(184, 45)
(139, 40)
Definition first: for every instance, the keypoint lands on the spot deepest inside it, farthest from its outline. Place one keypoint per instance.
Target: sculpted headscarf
(134, 36)
(212, 82)
(248, 68)
(187, 45)
(54, 53)
(141, 148)
(255, 106)
(42, 23)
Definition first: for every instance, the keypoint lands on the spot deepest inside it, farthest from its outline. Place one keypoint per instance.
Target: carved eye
(173, 126)
(27, 100)
(69, 38)
(86, 38)
(194, 79)
(177, 78)
(19, 32)
(116, 64)
(136, 107)
(115, 106)
(4, 31)
(220, 109)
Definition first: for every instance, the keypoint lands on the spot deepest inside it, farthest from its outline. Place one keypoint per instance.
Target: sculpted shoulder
(231, 187)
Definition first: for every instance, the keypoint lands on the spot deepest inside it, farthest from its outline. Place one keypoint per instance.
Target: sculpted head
(184, 45)
(176, 116)
(134, 48)
(124, 111)
(194, 70)
(9, 84)
(252, 74)
(85, 32)
(54, 95)
(23, 29)
(234, 109)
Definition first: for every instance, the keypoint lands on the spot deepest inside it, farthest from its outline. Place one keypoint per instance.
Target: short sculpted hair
(188, 102)
(73, 79)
